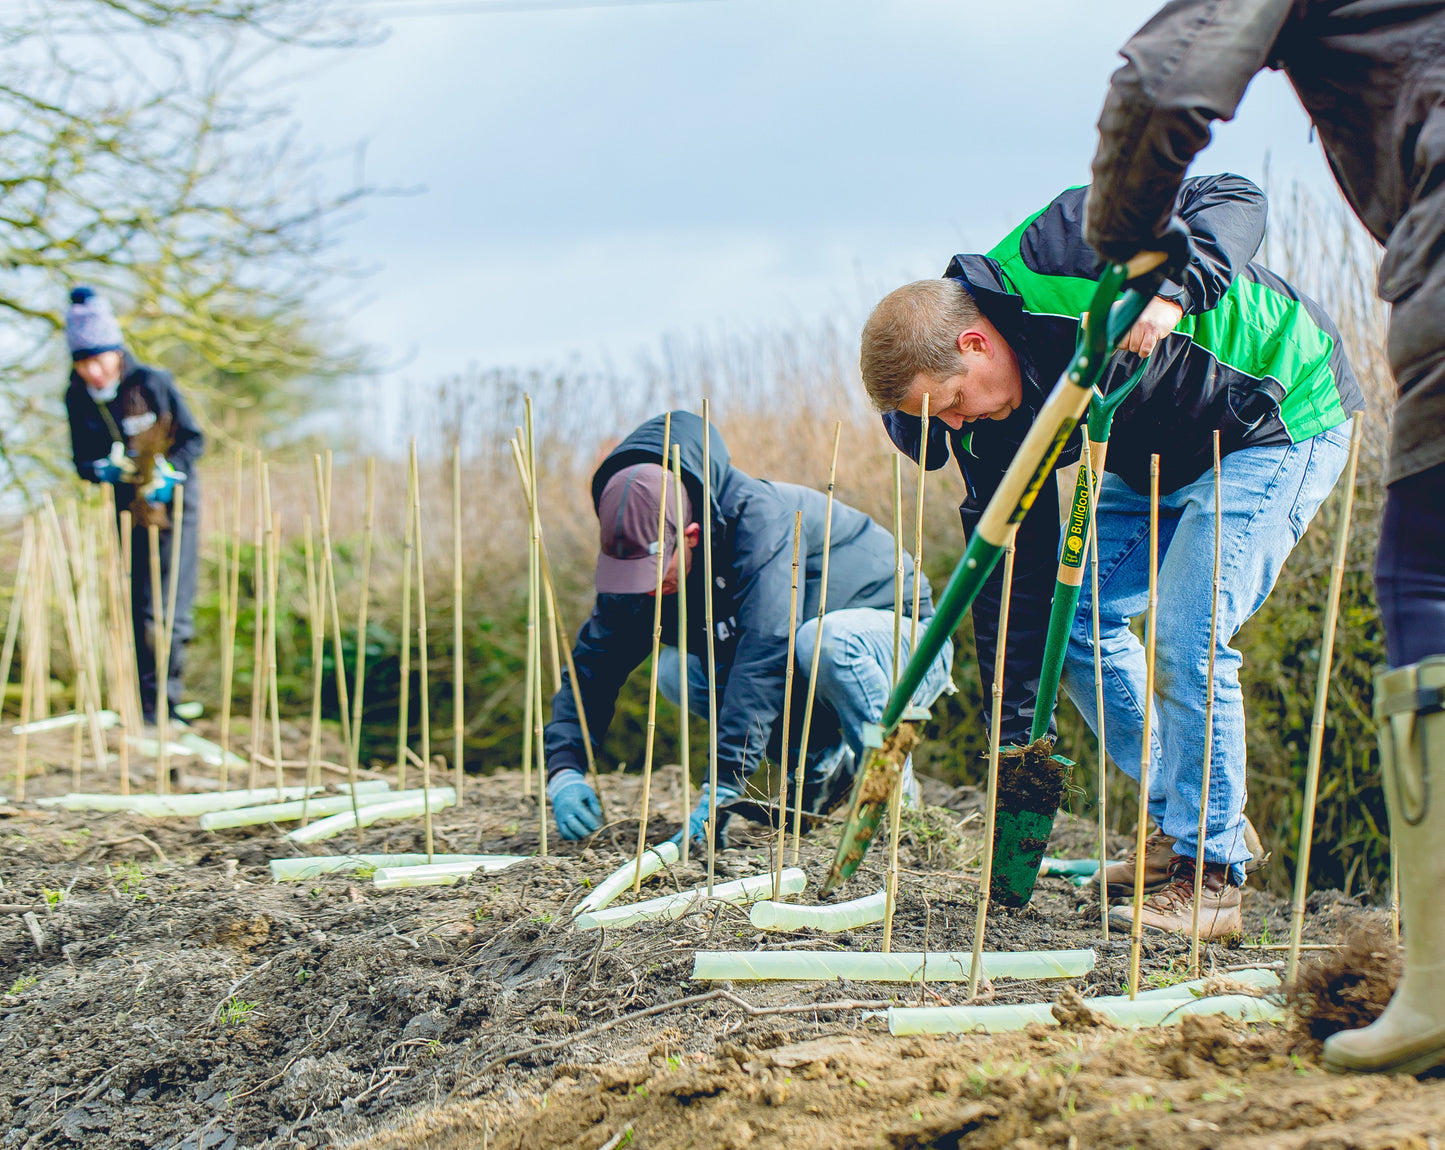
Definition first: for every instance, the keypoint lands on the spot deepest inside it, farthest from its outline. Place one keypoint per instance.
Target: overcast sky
(591, 180)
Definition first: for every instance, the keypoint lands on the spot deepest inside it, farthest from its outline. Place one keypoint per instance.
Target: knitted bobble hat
(90, 325)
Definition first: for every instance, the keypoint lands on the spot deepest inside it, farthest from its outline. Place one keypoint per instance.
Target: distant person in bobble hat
(121, 412)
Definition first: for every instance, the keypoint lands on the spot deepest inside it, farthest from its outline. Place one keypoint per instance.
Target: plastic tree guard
(738, 892)
(313, 866)
(439, 874)
(653, 860)
(288, 812)
(159, 806)
(107, 719)
(831, 918)
(1120, 1011)
(870, 966)
(438, 797)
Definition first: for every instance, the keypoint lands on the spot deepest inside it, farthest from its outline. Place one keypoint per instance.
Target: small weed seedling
(129, 876)
(366, 872)
(236, 1011)
(22, 984)
(53, 897)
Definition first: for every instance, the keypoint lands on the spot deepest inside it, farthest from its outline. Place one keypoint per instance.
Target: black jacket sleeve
(1225, 215)
(1035, 568)
(1187, 67)
(88, 441)
(612, 643)
(187, 441)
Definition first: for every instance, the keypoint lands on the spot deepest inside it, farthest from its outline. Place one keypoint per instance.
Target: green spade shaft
(1071, 557)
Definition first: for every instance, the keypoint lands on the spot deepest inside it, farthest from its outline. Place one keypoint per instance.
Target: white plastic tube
(318, 807)
(440, 798)
(174, 805)
(833, 918)
(871, 966)
(738, 892)
(207, 751)
(439, 874)
(1256, 977)
(107, 719)
(1118, 1010)
(653, 860)
(313, 866)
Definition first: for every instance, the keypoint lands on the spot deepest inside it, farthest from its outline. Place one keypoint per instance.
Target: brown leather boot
(1159, 853)
(1119, 875)
(1171, 909)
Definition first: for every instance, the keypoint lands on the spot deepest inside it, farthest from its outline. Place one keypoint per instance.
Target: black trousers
(144, 614)
(1410, 567)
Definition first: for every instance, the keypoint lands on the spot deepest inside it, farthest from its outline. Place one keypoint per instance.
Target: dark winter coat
(145, 394)
(752, 554)
(1371, 75)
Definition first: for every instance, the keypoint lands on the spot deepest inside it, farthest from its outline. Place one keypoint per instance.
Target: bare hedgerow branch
(140, 152)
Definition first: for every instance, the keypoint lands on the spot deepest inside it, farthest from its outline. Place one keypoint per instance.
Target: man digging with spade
(1230, 347)
(752, 552)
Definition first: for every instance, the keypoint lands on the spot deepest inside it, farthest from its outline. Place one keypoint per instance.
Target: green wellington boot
(1409, 1036)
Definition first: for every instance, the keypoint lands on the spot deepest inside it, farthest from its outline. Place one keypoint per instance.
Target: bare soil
(181, 1000)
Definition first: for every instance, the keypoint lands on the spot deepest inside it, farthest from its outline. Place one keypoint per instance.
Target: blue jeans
(855, 674)
(1269, 496)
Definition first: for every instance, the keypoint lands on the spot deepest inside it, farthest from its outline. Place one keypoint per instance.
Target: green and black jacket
(1252, 357)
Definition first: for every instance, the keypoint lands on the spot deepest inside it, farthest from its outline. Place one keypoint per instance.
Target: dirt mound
(1207, 1084)
(1347, 987)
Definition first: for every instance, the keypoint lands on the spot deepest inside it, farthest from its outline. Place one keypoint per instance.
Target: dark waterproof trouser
(143, 617)
(1410, 565)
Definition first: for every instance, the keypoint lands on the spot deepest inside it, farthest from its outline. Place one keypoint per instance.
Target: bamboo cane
(995, 734)
(458, 688)
(358, 703)
(227, 608)
(30, 660)
(684, 560)
(537, 732)
(918, 526)
(269, 655)
(127, 589)
(17, 600)
(546, 601)
(534, 598)
(533, 655)
(787, 708)
(82, 659)
(424, 677)
(317, 624)
(403, 722)
(1095, 474)
(519, 460)
(1208, 722)
(817, 650)
(87, 670)
(160, 662)
(273, 590)
(258, 637)
(707, 611)
(228, 654)
(1322, 693)
(897, 566)
(656, 652)
(120, 649)
(328, 588)
(1136, 932)
(332, 606)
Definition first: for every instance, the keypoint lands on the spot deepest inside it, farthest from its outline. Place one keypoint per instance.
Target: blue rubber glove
(575, 808)
(697, 821)
(115, 467)
(163, 484)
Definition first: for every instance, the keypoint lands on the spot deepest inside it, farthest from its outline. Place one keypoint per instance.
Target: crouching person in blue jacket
(751, 521)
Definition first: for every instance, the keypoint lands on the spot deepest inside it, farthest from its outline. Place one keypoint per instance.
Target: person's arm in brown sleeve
(1184, 69)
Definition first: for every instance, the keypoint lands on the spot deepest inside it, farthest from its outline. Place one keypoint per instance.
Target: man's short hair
(914, 331)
